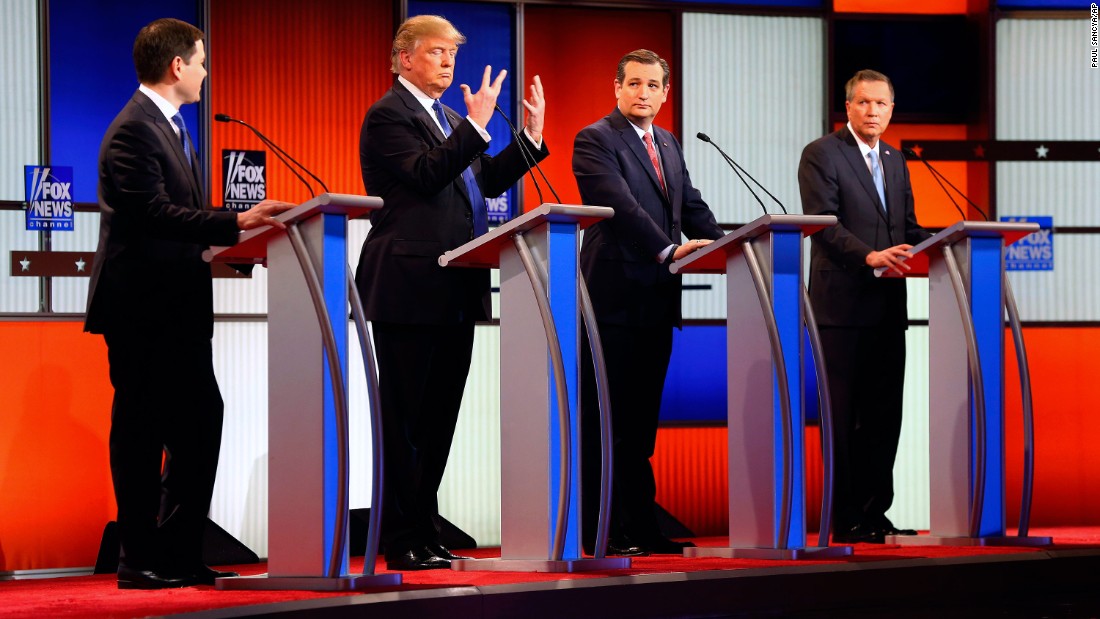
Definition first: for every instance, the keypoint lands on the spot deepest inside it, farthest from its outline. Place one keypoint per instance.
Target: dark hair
(642, 56)
(159, 43)
(866, 75)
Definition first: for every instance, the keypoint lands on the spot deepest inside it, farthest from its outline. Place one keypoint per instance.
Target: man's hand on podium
(690, 247)
(263, 214)
(892, 258)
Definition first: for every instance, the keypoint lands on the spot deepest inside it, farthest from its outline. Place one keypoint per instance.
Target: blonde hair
(420, 27)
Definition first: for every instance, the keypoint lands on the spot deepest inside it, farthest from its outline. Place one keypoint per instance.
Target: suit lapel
(430, 129)
(630, 137)
(892, 164)
(670, 165)
(168, 133)
(859, 167)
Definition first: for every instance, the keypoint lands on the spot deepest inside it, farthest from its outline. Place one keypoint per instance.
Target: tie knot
(647, 137)
(178, 121)
(872, 154)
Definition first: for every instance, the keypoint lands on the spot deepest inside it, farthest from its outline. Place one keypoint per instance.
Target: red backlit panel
(304, 73)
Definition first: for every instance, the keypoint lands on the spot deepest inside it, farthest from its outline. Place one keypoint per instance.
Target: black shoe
(888, 528)
(618, 548)
(206, 575)
(665, 546)
(440, 551)
(130, 578)
(859, 534)
(416, 559)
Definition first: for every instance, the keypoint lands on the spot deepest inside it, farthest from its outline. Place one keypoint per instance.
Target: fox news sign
(49, 191)
(1034, 252)
(244, 173)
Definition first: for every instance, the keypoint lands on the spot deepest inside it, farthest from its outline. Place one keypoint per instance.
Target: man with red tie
(626, 162)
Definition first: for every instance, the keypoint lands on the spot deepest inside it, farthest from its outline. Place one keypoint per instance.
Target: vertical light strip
(755, 86)
(1046, 90)
(19, 123)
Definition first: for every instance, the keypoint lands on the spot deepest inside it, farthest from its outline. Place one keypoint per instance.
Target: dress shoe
(618, 548)
(206, 575)
(888, 528)
(416, 559)
(130, 578)
(440, 551)
(859, 534)
(665, 546)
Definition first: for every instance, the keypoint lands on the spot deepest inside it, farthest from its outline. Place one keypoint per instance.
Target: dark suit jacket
(149, 273)
(834, 180)
(619, 255)
(418, 174)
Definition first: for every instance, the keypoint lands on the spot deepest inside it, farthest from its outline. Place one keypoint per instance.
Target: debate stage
(1062, 580)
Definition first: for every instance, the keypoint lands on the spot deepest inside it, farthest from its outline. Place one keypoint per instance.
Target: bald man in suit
(628, 163)
(864, 182)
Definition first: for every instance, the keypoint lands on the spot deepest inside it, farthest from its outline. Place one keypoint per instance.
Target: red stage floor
(97, 596)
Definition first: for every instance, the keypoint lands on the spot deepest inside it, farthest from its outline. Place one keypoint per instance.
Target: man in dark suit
(150, 295)
(626, 162)
(864, 182)
(429, 165)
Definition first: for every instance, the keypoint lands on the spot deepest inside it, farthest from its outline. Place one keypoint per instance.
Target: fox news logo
(1034, 252)
(245, 178)
(498, 209)
(49, 197)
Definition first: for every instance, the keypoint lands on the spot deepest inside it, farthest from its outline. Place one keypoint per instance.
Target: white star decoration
(26, 264)
(1042, 151)
(80, 265)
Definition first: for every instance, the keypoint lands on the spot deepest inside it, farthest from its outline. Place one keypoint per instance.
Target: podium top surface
(712, 258)
(484, 251)
(918, 264)
(252, 246)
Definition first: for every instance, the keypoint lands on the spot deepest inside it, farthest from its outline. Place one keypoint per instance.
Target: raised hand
(481, 105)
(536, 110)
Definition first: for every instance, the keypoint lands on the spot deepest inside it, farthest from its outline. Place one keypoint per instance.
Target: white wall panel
(17, 294)
(1071, 291)
(70, 294)
(19, 94)
(755, 86)
(1047, 91)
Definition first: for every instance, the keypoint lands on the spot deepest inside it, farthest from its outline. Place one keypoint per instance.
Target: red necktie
(648, 139)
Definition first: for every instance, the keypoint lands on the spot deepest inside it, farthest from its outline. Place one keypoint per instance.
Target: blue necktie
(480, 216)
(185, 137)
(876, 175)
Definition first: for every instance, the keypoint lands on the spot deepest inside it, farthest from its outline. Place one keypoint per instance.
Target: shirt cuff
(483, 133)
(663, 256)
(538, 144)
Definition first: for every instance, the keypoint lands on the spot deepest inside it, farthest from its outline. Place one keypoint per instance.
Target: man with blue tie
(151, 297)
(864, 182)
(429, 165)
(628, 163)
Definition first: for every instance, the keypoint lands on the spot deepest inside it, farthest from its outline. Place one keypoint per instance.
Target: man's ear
(175, 68)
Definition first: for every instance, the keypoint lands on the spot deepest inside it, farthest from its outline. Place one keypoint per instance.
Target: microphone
(736, 167)
(529, 158)
(937, 175)
(281, 154)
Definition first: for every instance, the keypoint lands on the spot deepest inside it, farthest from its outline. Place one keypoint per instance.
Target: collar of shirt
(162, 104)
(864, 149)
(427, 102)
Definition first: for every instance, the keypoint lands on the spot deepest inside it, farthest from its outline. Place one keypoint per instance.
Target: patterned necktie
(185, 137)
(876, 176)
(480, 216)
(648, 139)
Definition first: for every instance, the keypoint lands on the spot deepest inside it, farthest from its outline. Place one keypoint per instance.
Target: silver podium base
(541, 565)
(778, 554)
(263, 582)
(942, 540)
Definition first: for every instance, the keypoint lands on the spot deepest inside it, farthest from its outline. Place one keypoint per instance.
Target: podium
(764, 348)
(968, 295)
(540, 300)
(309, 289)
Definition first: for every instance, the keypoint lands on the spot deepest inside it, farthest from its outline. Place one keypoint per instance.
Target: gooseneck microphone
(529, 158)
(937, 175)
(281, 154)
(738, 170)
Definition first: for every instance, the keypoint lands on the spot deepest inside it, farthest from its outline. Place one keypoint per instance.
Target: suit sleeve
(602, 182)
(819, 186)
(501, 172)
(136, 162)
